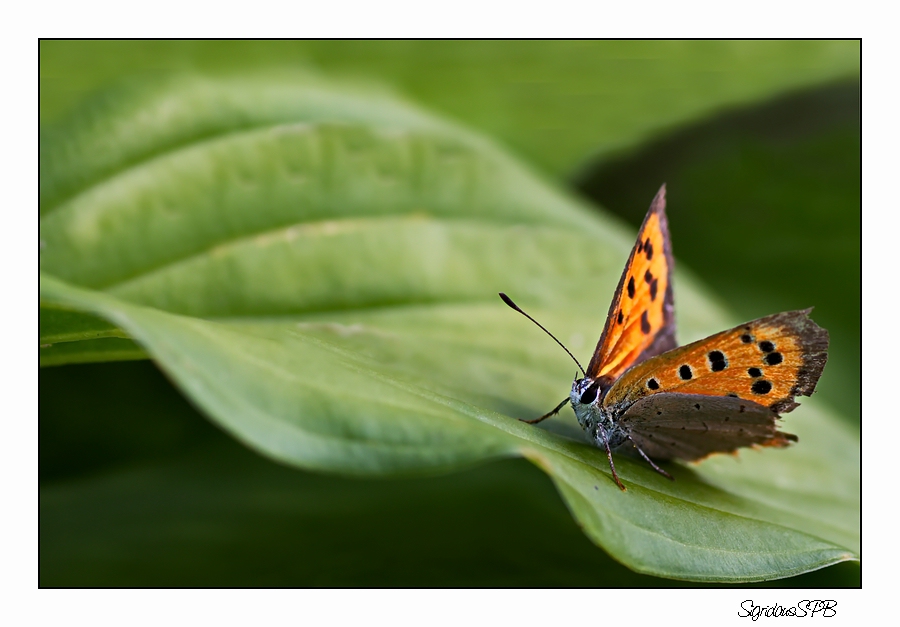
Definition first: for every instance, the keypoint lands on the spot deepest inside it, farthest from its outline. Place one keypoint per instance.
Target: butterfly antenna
(508, 301)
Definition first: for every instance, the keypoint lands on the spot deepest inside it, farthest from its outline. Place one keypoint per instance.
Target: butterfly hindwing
(641, 320)
(692, 426)
(768, 361)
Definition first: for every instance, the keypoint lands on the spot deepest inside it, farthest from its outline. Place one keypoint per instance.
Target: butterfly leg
(612, 466)
(650, 461)
(548, 414)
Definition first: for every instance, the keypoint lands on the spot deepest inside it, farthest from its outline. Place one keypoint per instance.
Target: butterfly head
(586, 397)
(587, 391)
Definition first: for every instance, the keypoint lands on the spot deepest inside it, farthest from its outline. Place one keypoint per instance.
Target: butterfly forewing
(768, 361)
(641, 320)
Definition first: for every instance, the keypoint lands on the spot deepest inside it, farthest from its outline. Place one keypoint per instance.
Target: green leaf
(326, 292)
(300, 395)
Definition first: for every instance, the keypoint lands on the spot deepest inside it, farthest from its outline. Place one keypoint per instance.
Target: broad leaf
(325, 289)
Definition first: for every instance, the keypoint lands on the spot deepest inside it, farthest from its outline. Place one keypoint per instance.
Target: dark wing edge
(814, 344)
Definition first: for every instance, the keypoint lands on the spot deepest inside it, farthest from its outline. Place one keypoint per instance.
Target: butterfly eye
(590, 394)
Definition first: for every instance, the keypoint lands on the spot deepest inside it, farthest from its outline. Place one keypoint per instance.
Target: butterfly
(642, 391)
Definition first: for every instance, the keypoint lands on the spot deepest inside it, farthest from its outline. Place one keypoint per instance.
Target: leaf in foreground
(326, 291)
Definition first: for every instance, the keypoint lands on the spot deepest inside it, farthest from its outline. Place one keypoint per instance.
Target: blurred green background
(759, 144)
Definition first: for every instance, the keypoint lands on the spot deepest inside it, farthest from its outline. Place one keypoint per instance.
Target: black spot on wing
(631, 287)
(654, 286)
(645, 323)
(685, 372)
(717, 361)
(773, 359)
(761, 387)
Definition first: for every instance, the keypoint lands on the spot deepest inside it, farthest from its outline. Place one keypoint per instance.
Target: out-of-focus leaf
(326, 293)
(553, 102)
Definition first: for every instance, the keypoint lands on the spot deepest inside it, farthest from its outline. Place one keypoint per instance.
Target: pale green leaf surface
(342, 316)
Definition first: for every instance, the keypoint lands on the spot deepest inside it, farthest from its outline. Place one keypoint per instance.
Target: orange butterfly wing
(641, 319)
(768, 361)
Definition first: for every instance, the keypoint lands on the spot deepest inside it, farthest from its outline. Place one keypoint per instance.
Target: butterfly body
(641, 391)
